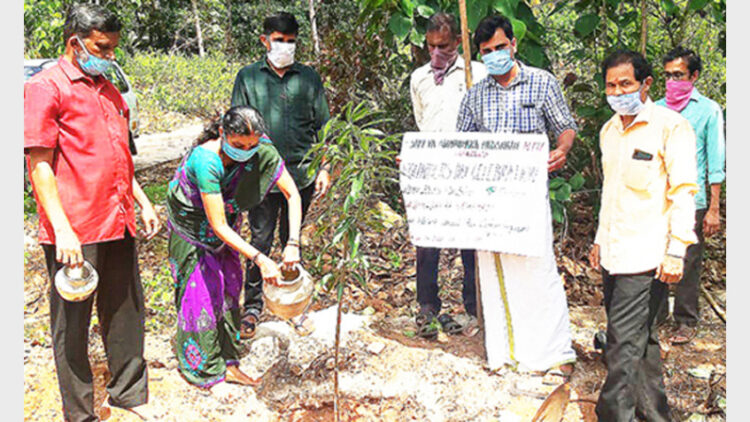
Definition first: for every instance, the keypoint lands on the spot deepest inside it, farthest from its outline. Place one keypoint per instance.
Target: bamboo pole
(644, 21)
(467, 73)
(465, 42)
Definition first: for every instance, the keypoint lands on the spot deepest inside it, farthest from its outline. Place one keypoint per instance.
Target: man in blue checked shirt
(518, 98)
(681, 69)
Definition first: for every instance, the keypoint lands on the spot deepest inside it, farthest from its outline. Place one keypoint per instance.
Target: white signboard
(470, 190)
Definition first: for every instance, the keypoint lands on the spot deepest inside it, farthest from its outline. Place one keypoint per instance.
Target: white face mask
(281, 54)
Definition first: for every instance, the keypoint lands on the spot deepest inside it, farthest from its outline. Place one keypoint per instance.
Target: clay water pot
(76, 284)
(293, 294)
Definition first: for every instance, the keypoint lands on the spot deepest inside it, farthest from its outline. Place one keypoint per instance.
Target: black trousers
(686, 292)
(427, 285)
(634, 373)
(263, 219)
(119, 305)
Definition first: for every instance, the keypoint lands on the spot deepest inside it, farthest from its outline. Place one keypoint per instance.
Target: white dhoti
(525, 309)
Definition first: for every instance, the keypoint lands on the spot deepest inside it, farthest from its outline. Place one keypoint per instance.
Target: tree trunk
(198, 29)
(228, 30)
(644, 20)
(316, 39)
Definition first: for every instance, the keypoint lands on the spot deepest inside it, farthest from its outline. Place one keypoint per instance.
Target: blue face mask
(498, 62)
(91, 64)
(627, 104)
(237, 154)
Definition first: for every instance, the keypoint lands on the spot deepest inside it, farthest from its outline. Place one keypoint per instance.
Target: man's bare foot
(236, 376)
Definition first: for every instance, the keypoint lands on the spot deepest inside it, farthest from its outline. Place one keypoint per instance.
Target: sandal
(247, 326)
(427, 325)
(472, 327)
(450, 326)
(302, 325)
(683, 334)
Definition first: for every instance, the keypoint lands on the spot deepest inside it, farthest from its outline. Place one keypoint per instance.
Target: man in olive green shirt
(291, 98)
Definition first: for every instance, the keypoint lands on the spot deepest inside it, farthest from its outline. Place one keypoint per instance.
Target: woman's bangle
(293, 243)
(255, 258)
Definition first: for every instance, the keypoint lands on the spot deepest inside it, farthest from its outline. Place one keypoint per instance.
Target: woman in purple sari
(230, 169)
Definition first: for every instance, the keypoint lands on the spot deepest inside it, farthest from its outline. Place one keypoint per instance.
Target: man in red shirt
(76, 140)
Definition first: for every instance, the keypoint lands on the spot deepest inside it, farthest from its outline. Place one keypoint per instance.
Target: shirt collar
(71, 71)
(457, 65)
(643, 117)
(295, 67)
(695, 95)
(521, 77)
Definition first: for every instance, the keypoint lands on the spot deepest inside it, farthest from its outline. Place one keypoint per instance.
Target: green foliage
(29, 204)
(157, 193)
(43, 22)
(362, 155)
(158, 291)
(188, 85)
(405, 27)
(560, 191)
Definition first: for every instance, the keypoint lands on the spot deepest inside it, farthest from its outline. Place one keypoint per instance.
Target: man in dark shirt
(291, 98)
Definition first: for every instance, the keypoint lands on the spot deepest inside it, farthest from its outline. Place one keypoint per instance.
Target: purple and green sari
(207, 273)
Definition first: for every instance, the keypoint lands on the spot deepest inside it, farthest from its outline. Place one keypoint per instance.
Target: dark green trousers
(119, 305)
(634, 373)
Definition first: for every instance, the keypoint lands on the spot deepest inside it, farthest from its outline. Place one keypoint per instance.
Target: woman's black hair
(238, 120)
(641, 67)
(489, 25)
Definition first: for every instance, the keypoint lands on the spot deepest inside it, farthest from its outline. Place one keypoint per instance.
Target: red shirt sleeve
(41, 103)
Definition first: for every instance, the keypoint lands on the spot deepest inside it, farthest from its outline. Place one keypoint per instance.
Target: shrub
(173, 86)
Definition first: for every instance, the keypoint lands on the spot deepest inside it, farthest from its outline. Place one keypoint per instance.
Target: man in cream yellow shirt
(645, 225)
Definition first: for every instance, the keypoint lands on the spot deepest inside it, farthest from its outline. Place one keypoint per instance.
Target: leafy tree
(407, 23)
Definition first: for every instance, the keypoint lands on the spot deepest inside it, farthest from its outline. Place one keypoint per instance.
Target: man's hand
(670, 270)
(68, 248)
(594, 257)
(291, 256)
(322, 182)
(557, 159)
(711, 222)
(151, 222)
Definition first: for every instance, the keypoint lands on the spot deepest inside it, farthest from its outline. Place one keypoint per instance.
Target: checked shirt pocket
(530, 119)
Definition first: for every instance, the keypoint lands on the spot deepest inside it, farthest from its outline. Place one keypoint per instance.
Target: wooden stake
(465, 42)
(643, 27)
